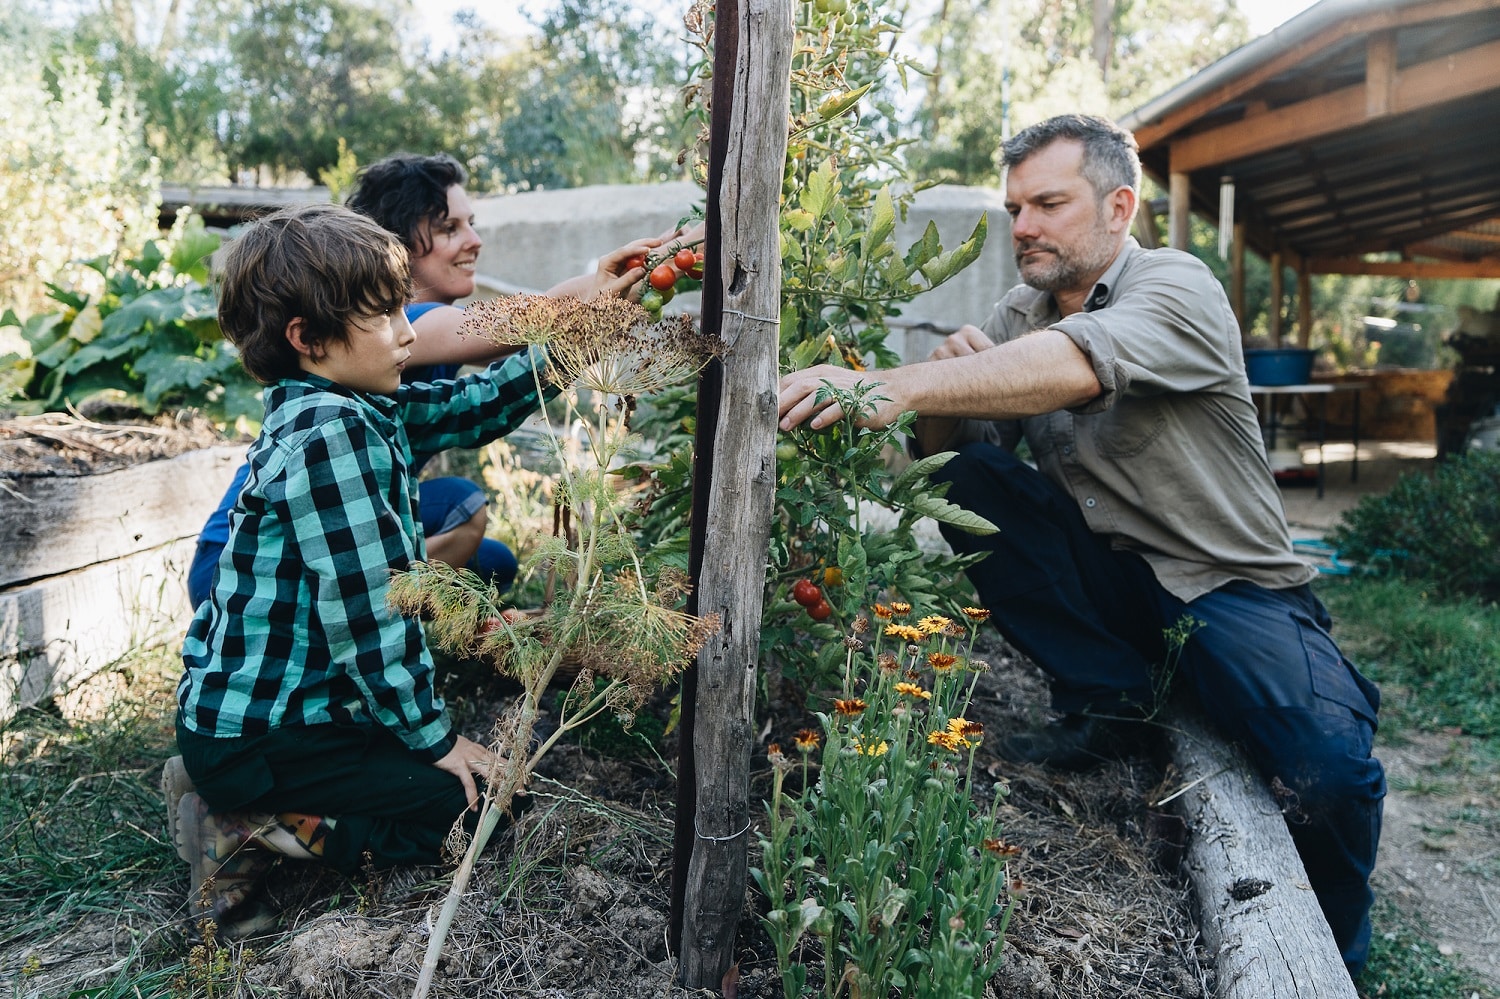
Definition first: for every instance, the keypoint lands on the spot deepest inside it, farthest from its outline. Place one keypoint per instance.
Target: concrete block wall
(536, 239)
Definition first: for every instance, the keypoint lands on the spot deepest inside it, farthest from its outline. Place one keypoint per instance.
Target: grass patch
(82, 848)
(1403, 966)
(1438, 659)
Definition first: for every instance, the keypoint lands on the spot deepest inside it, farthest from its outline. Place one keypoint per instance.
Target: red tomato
(663, 277)
(806, 592)
(639, 260)
(684, 259)
(820, 610)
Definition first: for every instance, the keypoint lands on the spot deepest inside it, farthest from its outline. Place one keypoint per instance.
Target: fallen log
(1258, 915)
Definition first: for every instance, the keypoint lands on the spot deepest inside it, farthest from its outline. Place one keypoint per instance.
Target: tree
(76, 179)
(1100, 56)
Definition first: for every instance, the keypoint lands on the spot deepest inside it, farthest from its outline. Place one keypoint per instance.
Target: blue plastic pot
(1279, 366)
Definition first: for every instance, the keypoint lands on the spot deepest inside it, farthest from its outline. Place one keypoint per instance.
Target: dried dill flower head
(609, 344)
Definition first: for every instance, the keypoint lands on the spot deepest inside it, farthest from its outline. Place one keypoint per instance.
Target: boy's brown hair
(324, 264)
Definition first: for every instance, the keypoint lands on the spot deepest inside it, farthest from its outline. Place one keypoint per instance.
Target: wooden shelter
(1360, 127)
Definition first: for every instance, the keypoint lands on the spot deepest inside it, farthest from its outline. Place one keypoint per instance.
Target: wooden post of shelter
(1304, 305)
(1237, 275)
(734, 478)
(1179, 211)
(1278, 296)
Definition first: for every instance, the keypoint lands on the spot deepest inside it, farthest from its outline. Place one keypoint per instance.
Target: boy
(307, 722)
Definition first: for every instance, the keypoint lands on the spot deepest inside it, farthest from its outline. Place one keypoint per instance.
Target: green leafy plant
(824, 494)
(884, 860)
(150, 339)
(1443, 528)
(843, 278)
(615, 617)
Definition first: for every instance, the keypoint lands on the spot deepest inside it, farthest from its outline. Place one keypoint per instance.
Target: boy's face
(445, 273)
(372, 360)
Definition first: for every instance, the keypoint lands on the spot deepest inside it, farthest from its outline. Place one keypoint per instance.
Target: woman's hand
(463, 761)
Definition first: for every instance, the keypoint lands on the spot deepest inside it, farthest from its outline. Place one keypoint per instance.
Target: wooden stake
(742, 479)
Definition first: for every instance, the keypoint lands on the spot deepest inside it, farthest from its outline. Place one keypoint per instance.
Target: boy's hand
(463, 761)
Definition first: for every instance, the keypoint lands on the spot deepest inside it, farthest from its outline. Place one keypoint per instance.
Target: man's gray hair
(1110, 155)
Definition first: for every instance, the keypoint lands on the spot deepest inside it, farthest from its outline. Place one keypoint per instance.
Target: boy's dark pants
(1263, 665)
(386, 801)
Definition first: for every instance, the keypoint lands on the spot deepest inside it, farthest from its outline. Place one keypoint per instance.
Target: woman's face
(445, 273)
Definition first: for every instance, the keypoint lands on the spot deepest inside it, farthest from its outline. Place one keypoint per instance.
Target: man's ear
(295, 335)
(1121, 208)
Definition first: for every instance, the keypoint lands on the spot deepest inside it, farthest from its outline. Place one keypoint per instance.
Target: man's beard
(1069, 266)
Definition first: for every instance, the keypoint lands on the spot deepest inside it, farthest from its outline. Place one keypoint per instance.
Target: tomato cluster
(807, 593)
(663, 278)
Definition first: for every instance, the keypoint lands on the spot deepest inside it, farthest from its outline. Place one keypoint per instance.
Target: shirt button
(1067, 449)
(1089, 502)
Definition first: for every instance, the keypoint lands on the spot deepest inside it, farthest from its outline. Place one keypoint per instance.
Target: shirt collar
(1103, 292)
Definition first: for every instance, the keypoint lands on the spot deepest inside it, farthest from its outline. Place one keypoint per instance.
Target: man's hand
(463, 761)
(799, 393)
(968, 340)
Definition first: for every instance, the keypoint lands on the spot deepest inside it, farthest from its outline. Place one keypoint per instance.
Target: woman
(421, 199)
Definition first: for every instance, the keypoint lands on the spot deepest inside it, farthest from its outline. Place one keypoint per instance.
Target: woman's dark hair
(404, 190)
(324, 264)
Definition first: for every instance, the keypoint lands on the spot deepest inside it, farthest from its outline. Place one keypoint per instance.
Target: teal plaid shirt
(297, 631)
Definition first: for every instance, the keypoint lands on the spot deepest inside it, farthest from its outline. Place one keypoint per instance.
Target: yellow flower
(905, 632)
(869, 747)
(962, 726)
(900, 609)
(933, 624)
(976, 614)
(912, 690)
(949, 741)
(807, 740)
(853, 706)
(941, 661)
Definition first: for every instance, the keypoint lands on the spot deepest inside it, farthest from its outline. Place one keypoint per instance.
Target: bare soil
(67, 444)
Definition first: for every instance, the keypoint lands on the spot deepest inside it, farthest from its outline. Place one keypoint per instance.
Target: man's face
(1058, 227)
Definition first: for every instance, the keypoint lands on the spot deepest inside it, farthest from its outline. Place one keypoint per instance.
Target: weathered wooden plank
(54, 524)
(1257, 912)
(738, 525)
(58, 632)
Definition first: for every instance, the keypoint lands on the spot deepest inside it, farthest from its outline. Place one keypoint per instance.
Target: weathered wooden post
(735, 477)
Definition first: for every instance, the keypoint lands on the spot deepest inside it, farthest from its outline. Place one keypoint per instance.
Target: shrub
(1442, 529)
(76, 179)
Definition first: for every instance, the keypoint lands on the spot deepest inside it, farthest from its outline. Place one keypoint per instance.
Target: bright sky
(436, 16)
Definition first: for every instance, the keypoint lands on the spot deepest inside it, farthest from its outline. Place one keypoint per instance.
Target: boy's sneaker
(227, 868)
(175, 783)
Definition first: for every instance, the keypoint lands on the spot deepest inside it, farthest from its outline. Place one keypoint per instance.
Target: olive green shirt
(1167, 461)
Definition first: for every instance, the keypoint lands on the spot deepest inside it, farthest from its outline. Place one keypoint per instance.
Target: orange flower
(976, 614)
(776, 756)
(1000, 848)
(947, 740)
(905, 632)
(899, 608)
(807, 740)
(941, 662)
(962, 726)
(881, 611)
(912, 690)
(853, 706)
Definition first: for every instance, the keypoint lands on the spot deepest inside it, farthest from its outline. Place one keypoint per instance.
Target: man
(1151, 500)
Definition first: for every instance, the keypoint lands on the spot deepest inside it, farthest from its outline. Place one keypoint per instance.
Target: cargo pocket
(1334, 677)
